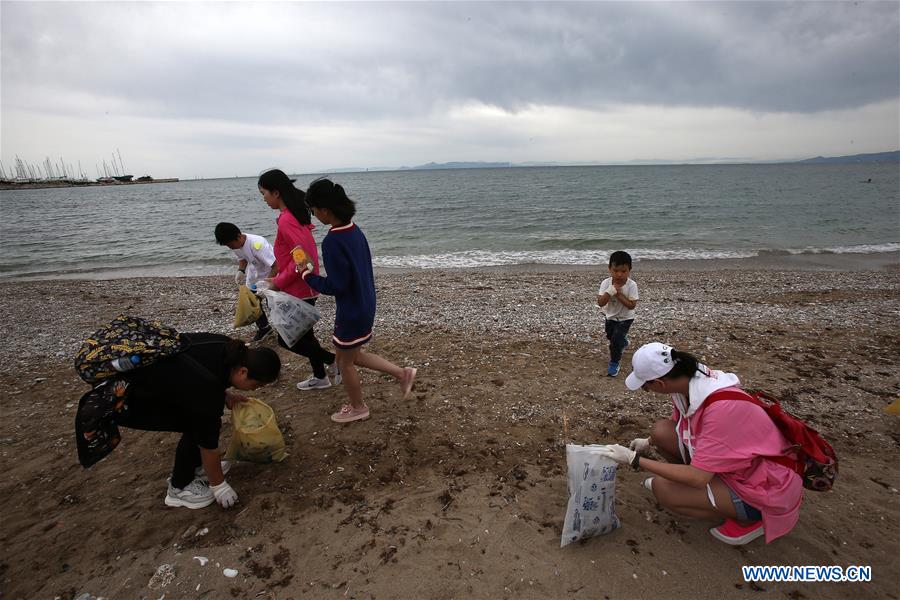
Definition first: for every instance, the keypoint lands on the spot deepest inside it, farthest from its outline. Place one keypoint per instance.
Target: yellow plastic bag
(248, 308)
(256, 436)
(893, 408)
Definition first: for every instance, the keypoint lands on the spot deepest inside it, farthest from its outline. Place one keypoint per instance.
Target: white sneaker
(335, 373)
(314, 383)
(200, 472)
(196, 494)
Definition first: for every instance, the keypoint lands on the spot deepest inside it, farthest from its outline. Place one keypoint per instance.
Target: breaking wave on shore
(482, 258)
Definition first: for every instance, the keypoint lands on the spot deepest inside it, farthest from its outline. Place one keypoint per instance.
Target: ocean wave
(488, 258)
(485, 258)
(181, 267)
(858, 249)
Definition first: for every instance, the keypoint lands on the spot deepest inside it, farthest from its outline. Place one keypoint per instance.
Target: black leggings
(262, 322)
(143, 413)
(309, 347)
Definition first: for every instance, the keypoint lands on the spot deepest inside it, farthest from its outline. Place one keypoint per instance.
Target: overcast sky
(219, 89)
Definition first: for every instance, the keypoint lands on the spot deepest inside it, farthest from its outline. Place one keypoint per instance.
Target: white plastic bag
(592, 494)
(290, 316)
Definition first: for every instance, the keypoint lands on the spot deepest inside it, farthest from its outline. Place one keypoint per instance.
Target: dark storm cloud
(346, 62)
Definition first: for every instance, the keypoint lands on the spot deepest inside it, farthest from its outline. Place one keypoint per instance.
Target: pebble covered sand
(459, 491)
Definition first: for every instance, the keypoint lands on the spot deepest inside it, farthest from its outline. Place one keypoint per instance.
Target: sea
(463, 218)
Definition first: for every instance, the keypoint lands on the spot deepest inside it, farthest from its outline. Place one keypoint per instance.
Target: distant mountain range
(435, 166)
(461, 165)
(877, 157)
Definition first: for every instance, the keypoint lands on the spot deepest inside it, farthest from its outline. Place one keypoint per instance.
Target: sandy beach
(460, 491)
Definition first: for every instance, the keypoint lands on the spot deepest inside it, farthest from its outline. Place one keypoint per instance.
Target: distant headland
(876, 157)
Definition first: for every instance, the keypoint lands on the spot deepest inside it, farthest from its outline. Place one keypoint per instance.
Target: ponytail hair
(262, 364)
(324, 193)
(686, 365)
(294, 199)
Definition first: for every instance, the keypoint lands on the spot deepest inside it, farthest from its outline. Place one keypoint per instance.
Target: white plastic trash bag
(290, 316)
(592, 494)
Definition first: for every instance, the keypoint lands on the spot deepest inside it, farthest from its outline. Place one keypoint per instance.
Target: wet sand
(460, 491)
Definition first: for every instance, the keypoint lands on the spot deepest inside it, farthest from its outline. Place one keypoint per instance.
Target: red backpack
(815, 461)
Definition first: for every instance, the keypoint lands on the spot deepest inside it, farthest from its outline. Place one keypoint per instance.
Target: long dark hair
(294, 199)
(262, 364)
(324, 193)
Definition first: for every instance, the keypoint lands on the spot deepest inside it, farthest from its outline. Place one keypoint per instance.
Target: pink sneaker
(406, 382)
(348, 413)
(732, 532)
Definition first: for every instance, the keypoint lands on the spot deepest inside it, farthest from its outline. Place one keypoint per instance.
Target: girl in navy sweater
(350, 280)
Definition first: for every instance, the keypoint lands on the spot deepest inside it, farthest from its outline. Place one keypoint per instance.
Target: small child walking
(348, 262)
(256, 261)
(617, 296)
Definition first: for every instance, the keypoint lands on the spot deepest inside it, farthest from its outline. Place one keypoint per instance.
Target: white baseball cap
(650, 361)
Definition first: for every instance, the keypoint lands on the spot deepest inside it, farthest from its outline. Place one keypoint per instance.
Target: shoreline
(826, 261)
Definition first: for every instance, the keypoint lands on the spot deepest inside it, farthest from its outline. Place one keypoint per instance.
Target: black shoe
(262, 333)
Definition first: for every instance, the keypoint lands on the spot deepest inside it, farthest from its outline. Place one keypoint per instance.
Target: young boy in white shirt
(256, 261)
(617, 296)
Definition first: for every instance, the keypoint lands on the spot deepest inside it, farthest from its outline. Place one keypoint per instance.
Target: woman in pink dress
(718, 448)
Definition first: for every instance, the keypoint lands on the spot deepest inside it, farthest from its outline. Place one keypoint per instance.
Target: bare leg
(664, 438)
(346, 360)
(694, 502)
(376, 363)
(682, 499)
(404, 375)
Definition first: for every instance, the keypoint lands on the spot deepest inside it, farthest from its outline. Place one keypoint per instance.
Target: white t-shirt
(614, 309)
(260, 257)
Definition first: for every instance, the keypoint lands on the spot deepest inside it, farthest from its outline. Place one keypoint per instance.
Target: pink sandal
(406, 382)
(348, 414)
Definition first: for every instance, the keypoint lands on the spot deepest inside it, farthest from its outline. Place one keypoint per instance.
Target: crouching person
(186, 394)
(719, 450)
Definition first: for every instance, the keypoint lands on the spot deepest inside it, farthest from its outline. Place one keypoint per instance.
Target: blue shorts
(744, 511)
(352, 334)
(345, 340)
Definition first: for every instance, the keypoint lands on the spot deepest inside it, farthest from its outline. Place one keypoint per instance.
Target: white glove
(618, 453)
(612, 291)
(225, 495)
(307, 270)
(261, 285)
(240, 277)
(640, 445)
